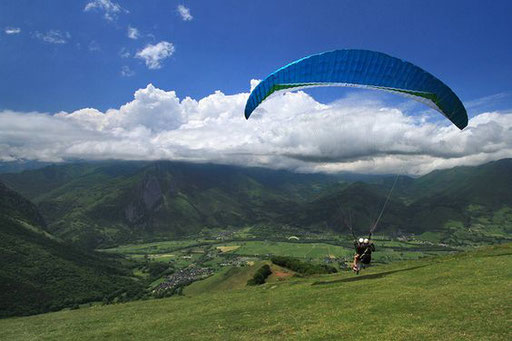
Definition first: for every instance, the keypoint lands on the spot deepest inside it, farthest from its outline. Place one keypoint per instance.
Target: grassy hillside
(39, 273)
(460, 297)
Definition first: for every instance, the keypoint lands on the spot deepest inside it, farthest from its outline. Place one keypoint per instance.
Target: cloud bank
(291, 131)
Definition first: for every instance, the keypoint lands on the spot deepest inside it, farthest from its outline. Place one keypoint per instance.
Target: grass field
(300, 250)
(458, 297)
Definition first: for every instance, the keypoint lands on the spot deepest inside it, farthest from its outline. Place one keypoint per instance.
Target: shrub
(260, 276)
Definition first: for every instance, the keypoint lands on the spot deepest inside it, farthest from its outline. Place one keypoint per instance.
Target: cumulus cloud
(291, 131)
(154, 55)
(12, 30)
(133, 33)
(110, 9)
(53, 36)
(184, 12)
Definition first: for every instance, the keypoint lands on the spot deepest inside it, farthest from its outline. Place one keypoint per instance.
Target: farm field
(293, 249)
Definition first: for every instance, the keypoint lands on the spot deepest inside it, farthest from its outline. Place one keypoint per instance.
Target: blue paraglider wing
(365, 69)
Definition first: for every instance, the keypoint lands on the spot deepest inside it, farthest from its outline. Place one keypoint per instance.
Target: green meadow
(293, 249)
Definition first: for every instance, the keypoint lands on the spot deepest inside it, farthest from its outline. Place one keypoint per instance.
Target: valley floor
(458, 297)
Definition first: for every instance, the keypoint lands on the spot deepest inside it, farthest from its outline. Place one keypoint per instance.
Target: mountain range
(96, 204)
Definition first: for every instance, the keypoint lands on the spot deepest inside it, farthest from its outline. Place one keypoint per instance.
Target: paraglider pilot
(363, 256)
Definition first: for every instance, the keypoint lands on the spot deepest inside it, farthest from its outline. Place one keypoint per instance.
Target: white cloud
(53, 36)
(254, 83)
(184, 12)
(110, 9)
(12, 30)
(126, 71)
(291, 131)
(153, 55)
(133, 33)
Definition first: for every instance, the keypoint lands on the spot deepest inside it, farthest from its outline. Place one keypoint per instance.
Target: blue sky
(150, 80)
(467, 44)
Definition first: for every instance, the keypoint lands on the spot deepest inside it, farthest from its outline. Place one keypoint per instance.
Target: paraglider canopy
(363, 69)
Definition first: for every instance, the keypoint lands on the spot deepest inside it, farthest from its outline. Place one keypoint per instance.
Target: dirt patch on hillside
(282, 275)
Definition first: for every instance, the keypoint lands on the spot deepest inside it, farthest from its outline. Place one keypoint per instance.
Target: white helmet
(366, 241)
(361, 240)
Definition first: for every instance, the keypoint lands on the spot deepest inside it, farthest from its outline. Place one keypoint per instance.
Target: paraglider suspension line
(374, 226)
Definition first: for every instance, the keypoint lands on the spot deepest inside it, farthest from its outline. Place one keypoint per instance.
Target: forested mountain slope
(39, 273)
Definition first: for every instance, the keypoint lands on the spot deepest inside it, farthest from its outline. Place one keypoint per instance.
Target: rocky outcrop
(147, 198)
(152, 194)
